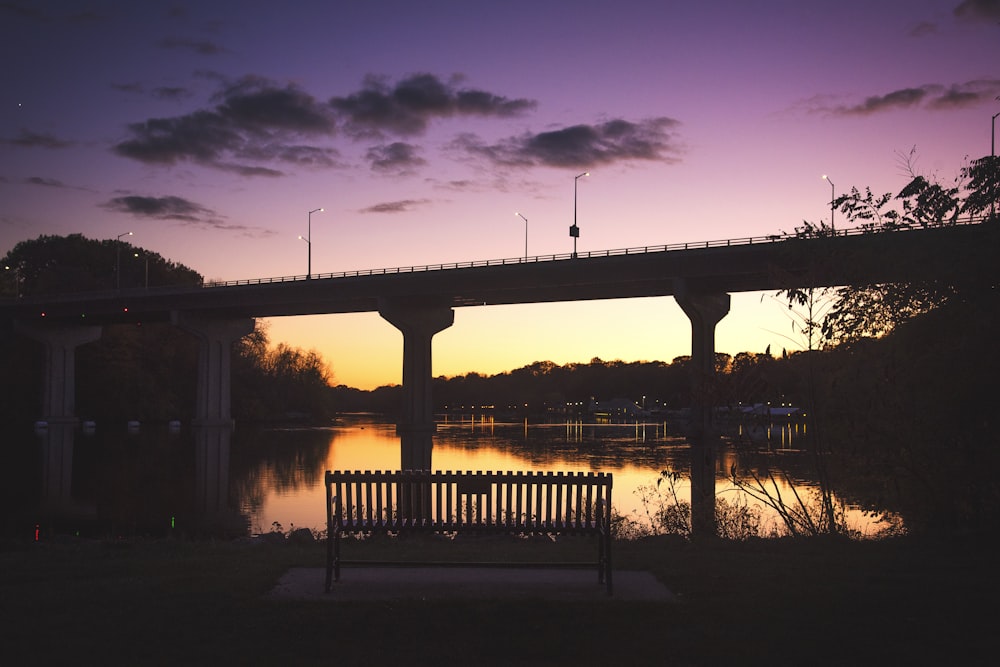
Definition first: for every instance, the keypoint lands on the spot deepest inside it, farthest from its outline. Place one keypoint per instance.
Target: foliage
(279, 382)
(667, 514)
(861, 310)
(145, 371)
(53, 264)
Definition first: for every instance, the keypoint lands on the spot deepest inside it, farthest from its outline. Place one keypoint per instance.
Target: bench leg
(329, 560)
(604, 562)
(336, 558)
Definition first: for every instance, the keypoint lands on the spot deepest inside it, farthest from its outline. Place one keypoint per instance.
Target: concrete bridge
(419, 301)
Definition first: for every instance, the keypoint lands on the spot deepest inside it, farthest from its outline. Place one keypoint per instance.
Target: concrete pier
(418, 320)
(704, 310)
(59, 385)
(213, 404)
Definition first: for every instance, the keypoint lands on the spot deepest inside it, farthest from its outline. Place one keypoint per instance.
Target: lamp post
(993, 134)
(118, 259)
(833, 198)
(308, 240)
(574, 231)
(525, 233)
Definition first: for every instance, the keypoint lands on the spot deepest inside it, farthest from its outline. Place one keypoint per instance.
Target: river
(155, 480)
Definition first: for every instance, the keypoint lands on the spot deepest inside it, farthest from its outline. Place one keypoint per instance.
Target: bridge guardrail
(361, 273)
(637, 250)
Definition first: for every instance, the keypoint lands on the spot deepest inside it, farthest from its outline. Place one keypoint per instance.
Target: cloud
(902, 98)
(178, 209)
(257, 127)
(408, 107)
(583, 146)
(160, 208)
(985, 11)
(930, 96)
(401, 206)
(255, 121)
(132, 87)
(203, 48)
(161, 93)
(28, 139)
(397, 157)
(923, 29)
(34, 14)
(171, 93)
(47, 182)
(256, 104)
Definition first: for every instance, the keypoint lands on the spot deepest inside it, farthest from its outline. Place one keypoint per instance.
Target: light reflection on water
(634, 453)
(154, 480)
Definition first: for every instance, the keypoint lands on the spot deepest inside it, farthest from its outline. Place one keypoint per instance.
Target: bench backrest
(513, 501)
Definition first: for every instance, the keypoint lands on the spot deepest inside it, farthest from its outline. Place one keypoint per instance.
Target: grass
(769, 602)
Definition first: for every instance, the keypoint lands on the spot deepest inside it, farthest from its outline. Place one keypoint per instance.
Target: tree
(876, 309)
(53, 264)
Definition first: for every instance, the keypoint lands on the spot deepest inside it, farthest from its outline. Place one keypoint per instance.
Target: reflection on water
(156, 480)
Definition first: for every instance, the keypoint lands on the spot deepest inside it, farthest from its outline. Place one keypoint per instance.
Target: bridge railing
(360, 273)
(637, 250)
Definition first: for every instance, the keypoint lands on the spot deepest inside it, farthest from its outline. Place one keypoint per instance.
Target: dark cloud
(987, 11)
(401, 206)
(931, 96)
(924, 28)
(201, 47)
(583, 146)
(133, 87)
(161, 93)
(47, 182)
(28, 139)
(256, 126)
(171, 93)
(160, 208)
(255, 121)
(397, 157)
(407, 108)
(256, 104)
(178, 209)
(21, 11)
(905, 97)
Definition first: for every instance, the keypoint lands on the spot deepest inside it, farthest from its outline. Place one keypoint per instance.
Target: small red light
(125, 309)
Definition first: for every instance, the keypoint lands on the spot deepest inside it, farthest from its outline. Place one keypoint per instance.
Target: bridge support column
(59, 387)
(418, 321)
(214, 515)
(704, 310)
(213, 405)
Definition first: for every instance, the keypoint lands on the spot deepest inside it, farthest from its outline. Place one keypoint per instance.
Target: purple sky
(210, 129)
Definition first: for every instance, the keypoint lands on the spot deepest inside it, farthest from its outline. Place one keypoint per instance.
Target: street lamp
(118, 259)
(993, 134)
(574, 231)
(833, 198)
(525, 233)
(308, 240)
(993, 149)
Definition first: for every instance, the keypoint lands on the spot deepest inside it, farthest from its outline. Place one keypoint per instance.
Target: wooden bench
(514, 503)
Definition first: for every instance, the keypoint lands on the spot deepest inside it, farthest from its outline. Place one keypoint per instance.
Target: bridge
(419, 301)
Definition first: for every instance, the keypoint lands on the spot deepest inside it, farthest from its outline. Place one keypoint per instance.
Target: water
(155, 480)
